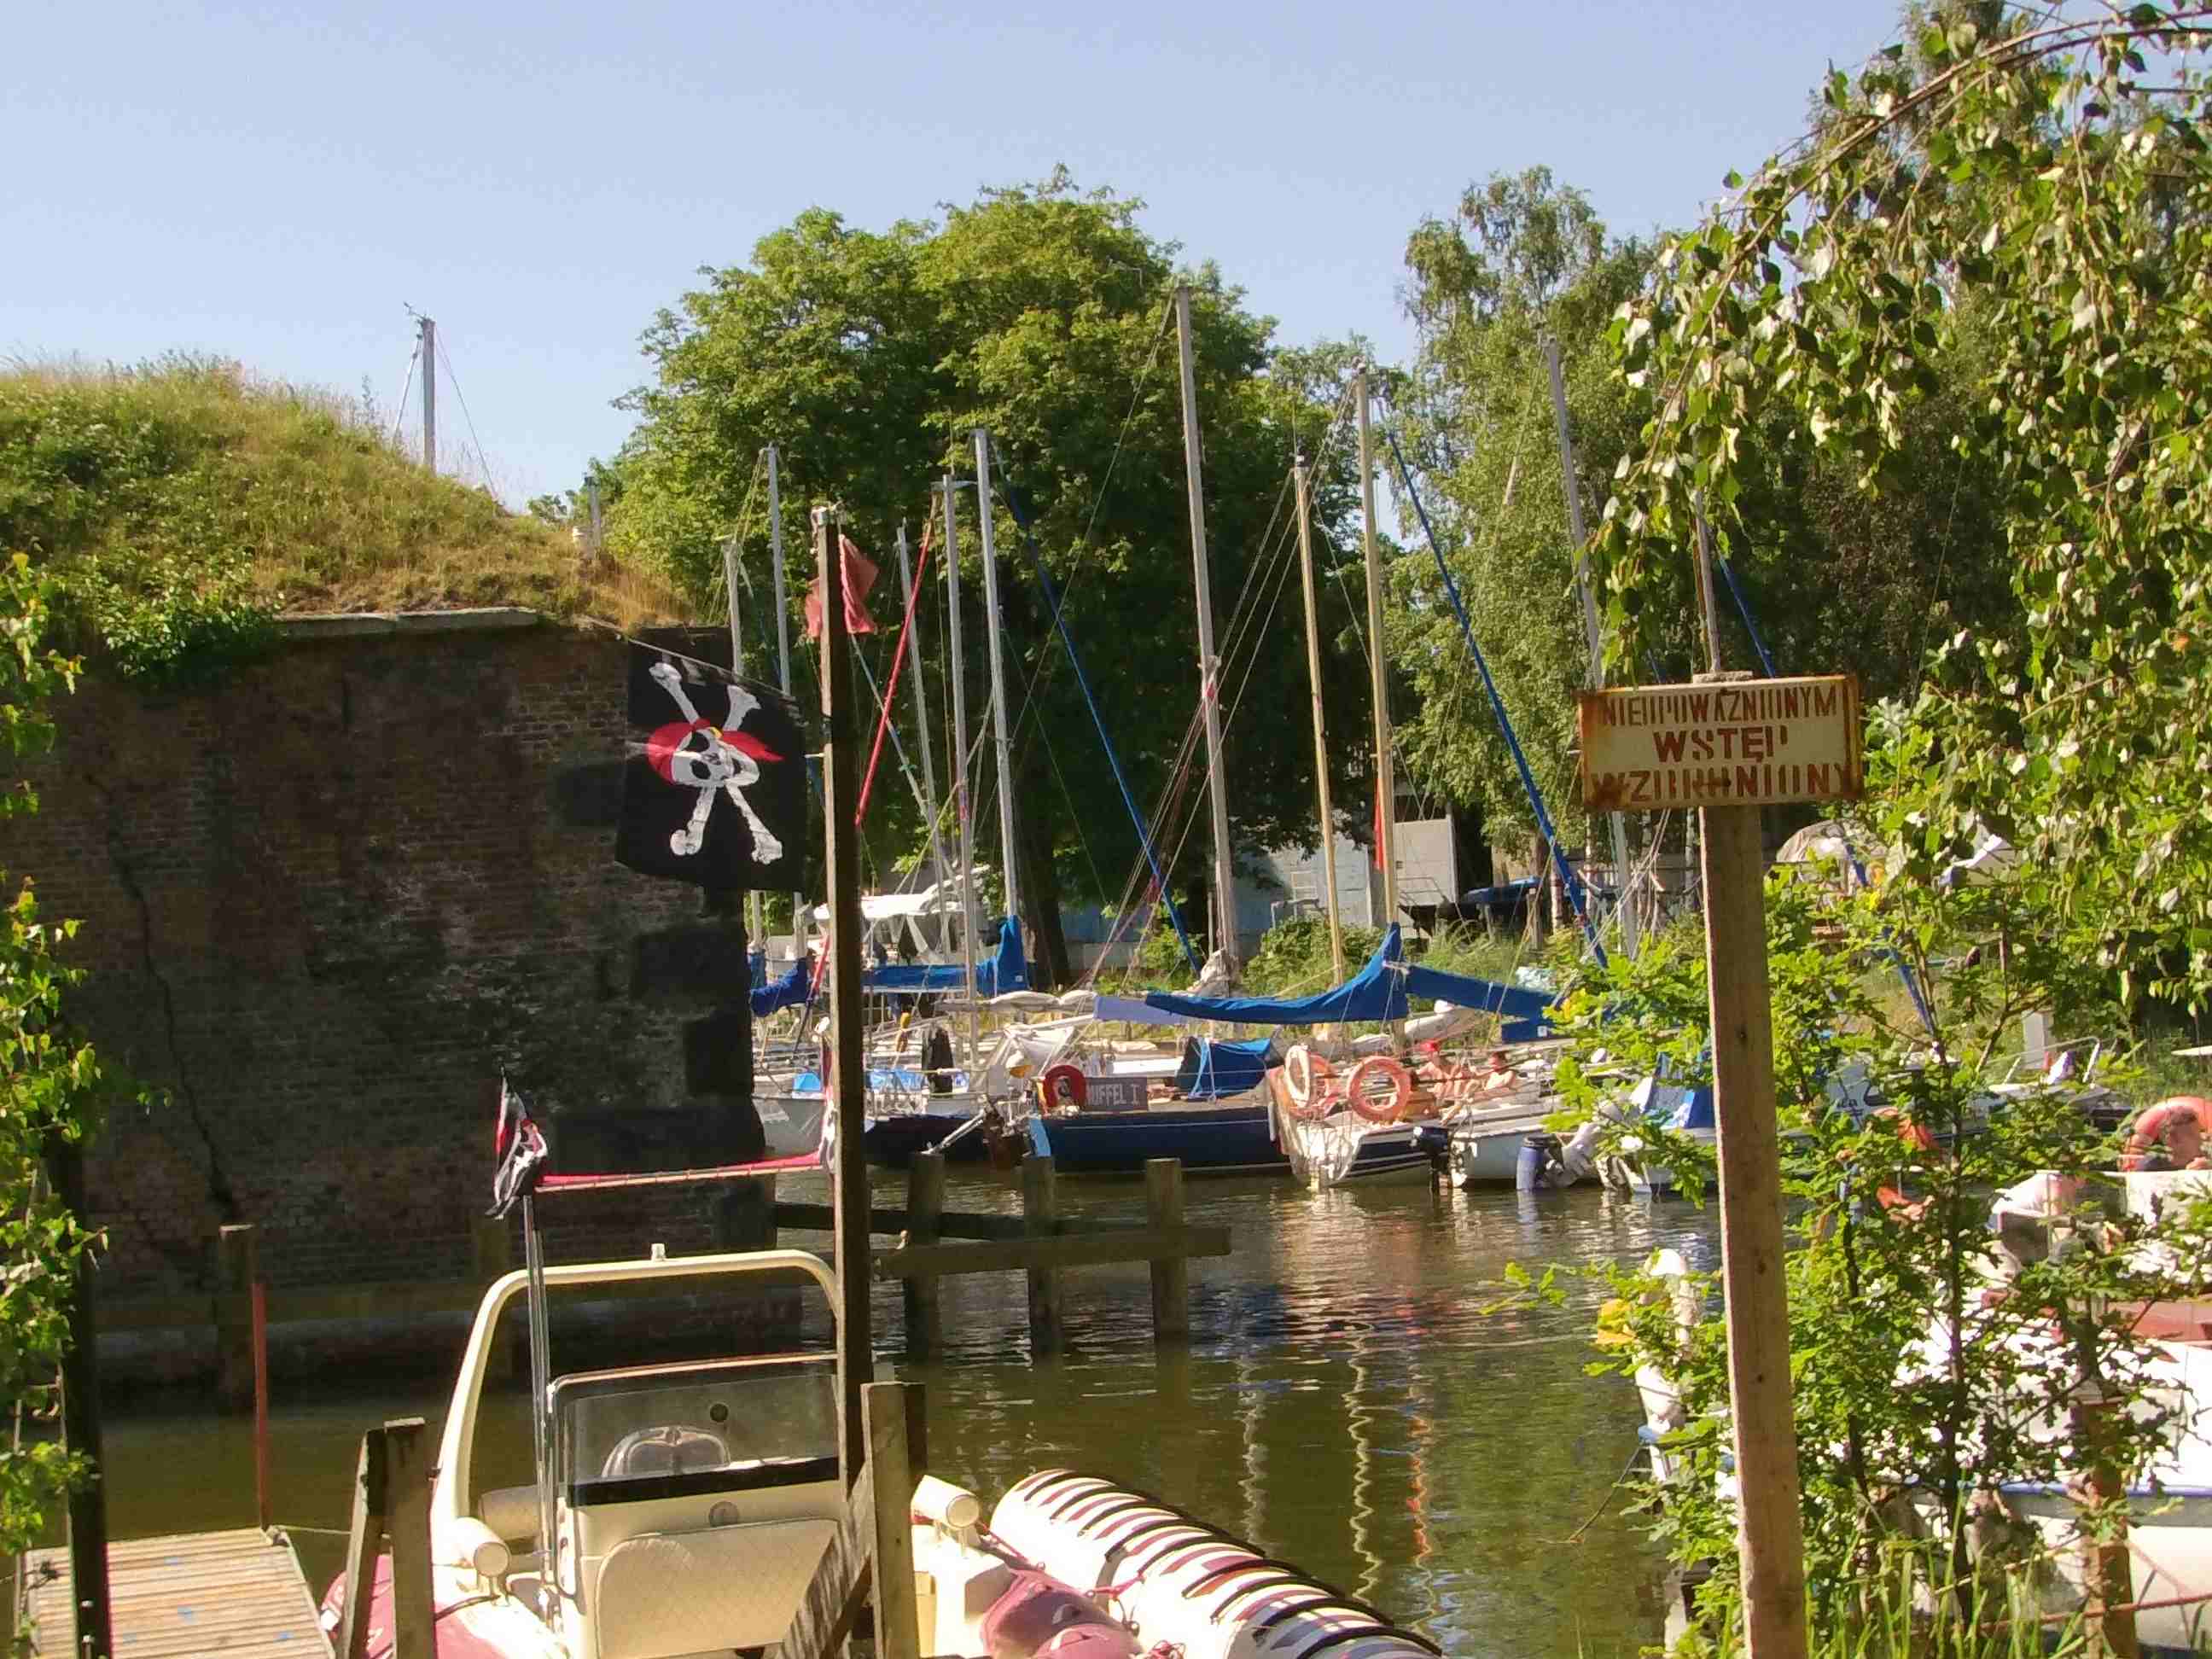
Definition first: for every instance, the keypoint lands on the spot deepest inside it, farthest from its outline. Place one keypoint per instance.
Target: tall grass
(182, 501)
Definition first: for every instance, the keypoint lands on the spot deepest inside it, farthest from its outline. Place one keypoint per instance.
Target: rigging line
(898, 749)
(1571, 881)
(1044, 667)
(483, 465)
(898, 664)
(406, 386)
(1113, 760)
(1075, 816)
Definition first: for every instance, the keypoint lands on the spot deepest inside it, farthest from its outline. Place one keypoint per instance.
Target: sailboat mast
(1209, 679)
(1321, 735)
(999, 734)
(921, 724)
(1595, 638)
(1385, 784)
(961, 804)
(782, 658)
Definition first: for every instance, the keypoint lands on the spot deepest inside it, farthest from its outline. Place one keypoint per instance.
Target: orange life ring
(1390, 1108)
(1066, 1081)
(1309, 1080)
(2191, 1114)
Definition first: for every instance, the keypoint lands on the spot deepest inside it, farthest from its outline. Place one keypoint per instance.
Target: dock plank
(239, 1593)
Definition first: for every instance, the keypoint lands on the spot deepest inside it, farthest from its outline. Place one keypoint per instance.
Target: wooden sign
(1744, 743)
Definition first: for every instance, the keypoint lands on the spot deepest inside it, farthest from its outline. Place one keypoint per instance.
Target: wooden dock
(240, 1593)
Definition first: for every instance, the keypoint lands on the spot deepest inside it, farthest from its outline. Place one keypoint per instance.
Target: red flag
(860, 576)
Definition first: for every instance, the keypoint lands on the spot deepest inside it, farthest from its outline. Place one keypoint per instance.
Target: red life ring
(1064, 1085)
(1309, 1080)
(1388, 1109)
(2191, 1114)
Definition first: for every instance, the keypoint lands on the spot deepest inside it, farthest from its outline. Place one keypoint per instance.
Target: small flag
(714, 790)
(860, 576)
(519, 1147)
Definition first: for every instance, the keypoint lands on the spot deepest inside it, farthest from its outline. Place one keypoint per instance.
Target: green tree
(2034, 205)
(1041, 314)
(1836, 579)
(49, 1094)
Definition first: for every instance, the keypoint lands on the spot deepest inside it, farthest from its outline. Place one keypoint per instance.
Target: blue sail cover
(1528, 1010)
(1211, 1069)
(1375, 992)
(791, 991)
(1006, 969)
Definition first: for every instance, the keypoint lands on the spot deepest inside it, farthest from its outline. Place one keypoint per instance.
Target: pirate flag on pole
(715, 788)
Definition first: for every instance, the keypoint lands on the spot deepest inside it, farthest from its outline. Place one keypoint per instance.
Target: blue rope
(1113, 760)
(1859, 870)
(1743, 609)
(1572, 882)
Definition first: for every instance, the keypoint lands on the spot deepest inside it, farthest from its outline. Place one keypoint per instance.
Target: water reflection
(1345, 1401)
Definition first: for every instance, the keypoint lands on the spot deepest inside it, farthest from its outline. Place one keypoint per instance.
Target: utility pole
(428, 329)
(1321, 736)
(1000, 737)
(1623, 900)
(1209, 667)
(1386, 783)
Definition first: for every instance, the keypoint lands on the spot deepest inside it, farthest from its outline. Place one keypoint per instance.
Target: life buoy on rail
(1387, 1109)
(1310, 1080)
(2180, 1125)
(1064, 1085)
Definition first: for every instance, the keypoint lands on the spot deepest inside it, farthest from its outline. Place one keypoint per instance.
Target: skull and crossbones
(694, 753)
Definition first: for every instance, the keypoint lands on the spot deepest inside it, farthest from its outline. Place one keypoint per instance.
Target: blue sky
(277, 183)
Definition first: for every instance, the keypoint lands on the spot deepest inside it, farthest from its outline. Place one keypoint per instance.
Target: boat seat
(509, 1511)
(741, 1587)
(673, 1448)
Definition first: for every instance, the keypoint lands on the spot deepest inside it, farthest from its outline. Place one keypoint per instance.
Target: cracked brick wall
(326, 905)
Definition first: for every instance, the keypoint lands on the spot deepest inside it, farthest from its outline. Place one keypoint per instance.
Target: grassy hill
(185, 503)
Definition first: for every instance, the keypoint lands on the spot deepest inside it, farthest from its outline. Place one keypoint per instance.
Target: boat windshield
(657, 1431)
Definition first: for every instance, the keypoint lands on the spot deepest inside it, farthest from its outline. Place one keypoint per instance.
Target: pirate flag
(714, 790)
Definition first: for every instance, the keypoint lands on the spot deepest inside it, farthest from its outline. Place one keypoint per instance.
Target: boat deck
(239, 1593)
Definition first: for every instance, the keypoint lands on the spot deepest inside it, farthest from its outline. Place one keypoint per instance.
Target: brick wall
(324, 907)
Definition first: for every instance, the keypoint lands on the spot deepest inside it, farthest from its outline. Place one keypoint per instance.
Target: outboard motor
(1532, 1168)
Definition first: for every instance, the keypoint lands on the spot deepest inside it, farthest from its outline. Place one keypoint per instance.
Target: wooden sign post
(1728, 745)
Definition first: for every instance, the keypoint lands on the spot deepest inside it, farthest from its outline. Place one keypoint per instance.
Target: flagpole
(1000, 741)
(1386, 789)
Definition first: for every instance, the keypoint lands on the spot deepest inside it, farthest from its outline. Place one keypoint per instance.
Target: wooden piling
(925, 1210)
(2107, 1568)
(407, 1454)
(890, 1455)
(260, 1295)
(238, 1269)
(1170, 1276)
(364, 1533)
(1041, 1211)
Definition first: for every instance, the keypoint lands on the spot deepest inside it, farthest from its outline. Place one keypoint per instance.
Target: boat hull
(1235, 1138)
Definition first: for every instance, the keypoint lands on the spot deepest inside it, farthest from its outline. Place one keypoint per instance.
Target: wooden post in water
(896, 1462)
(407, 1454)
(363, 1534)
(925, 1206)
(80, 1378)
(261, 1405)
(1040, 1211)
(1171, 1275)
(238, 1268)
(847, 1066)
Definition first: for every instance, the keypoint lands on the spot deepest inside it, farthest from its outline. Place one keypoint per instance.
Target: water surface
(1348, 1400)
